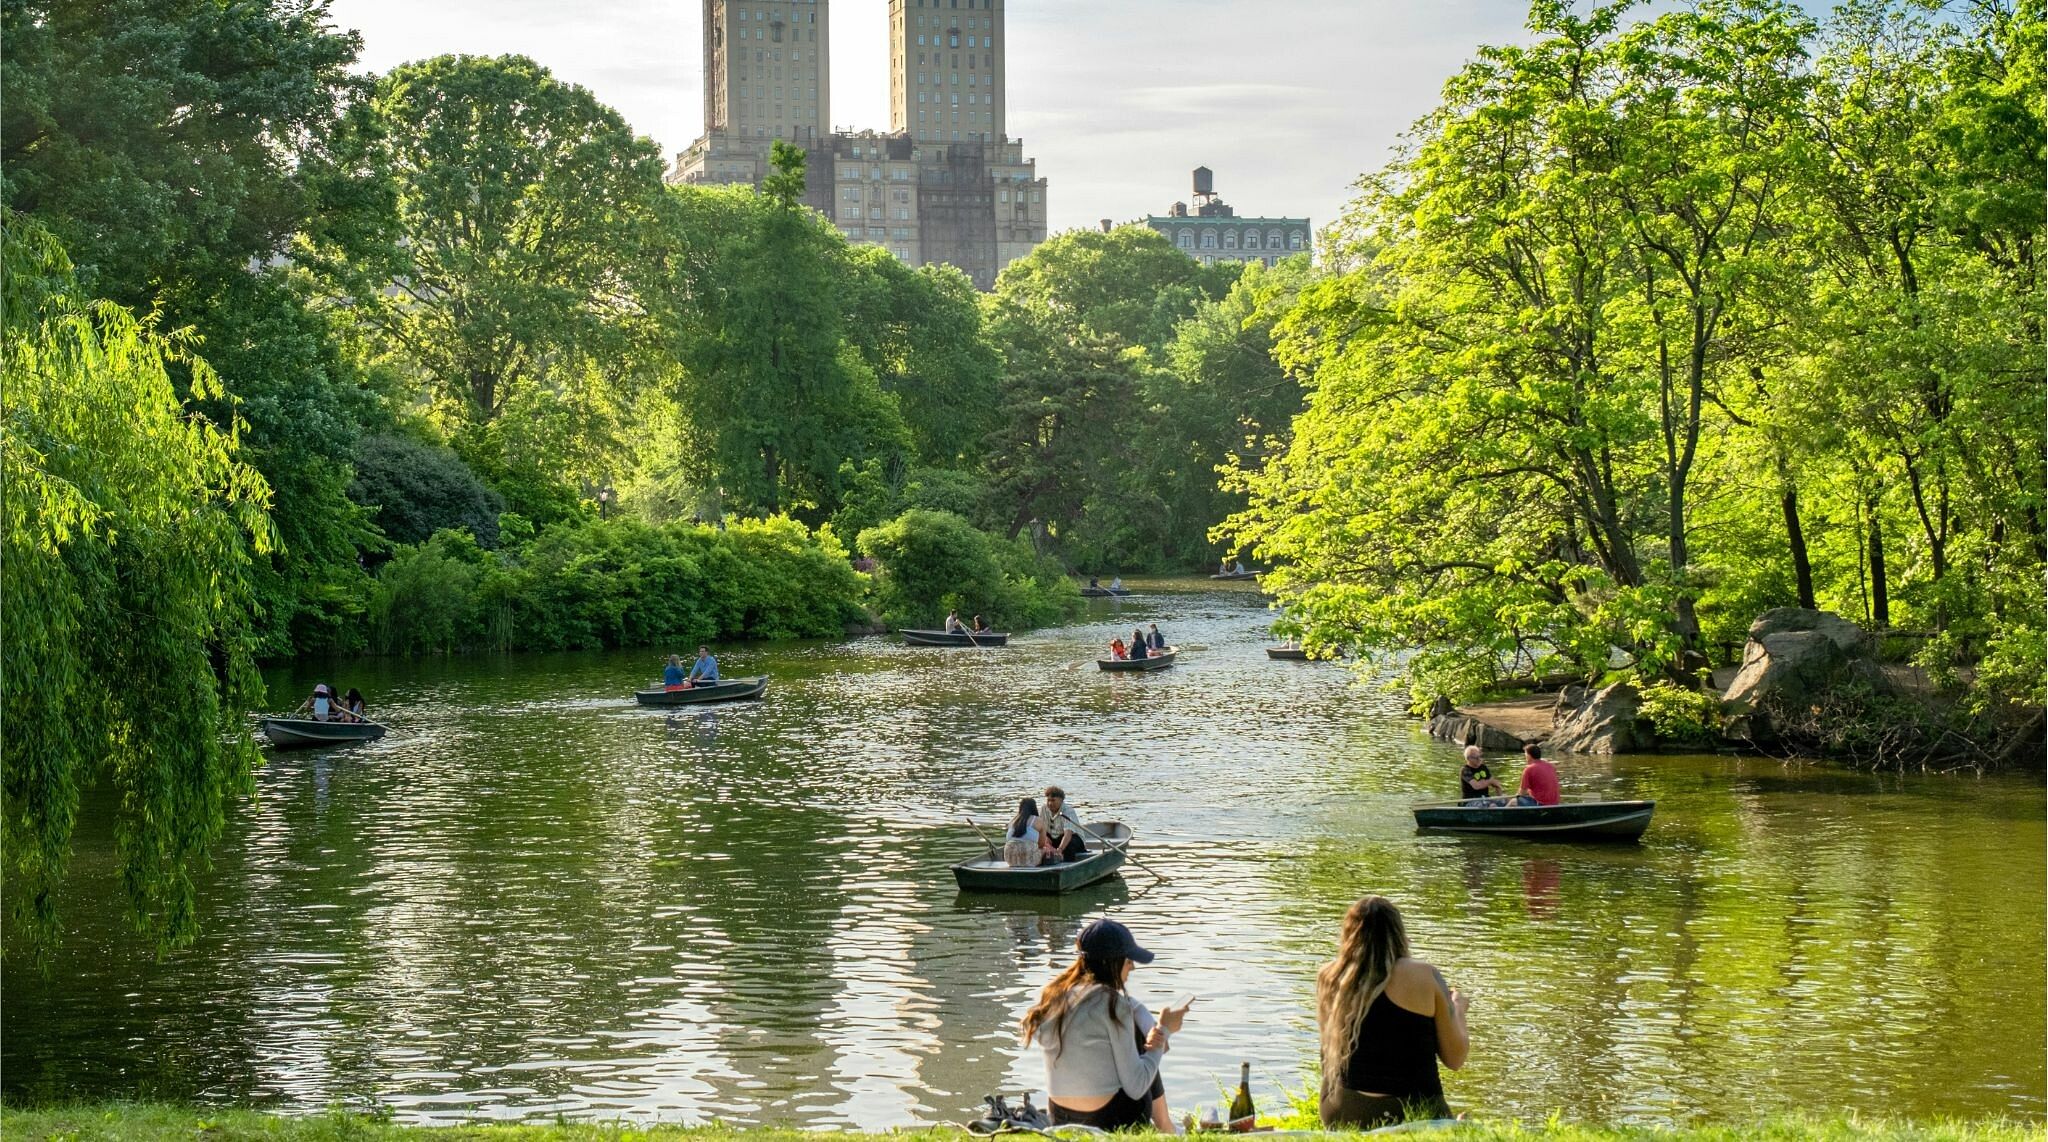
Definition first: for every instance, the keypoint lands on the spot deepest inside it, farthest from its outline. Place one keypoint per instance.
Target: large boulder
(1464, 729)
(1605, 721)
(1792, 656)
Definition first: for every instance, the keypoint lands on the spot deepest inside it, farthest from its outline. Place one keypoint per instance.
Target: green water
(534, 897)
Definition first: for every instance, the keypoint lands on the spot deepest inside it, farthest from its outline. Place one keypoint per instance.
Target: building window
(1187, 239)
(1230, 239)
(1208, 259)
(1251, 239)
(1294, 240)
(1208, 241)
(1273, 239)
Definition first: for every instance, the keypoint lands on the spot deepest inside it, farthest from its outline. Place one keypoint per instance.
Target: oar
(984, 837)
(1123, 848)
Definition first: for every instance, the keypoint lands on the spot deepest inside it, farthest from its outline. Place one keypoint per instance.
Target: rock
(1792, 655)
(872, 626)
(1569, 698)
(1464, 729)
(1604, 722)
(1440, 707)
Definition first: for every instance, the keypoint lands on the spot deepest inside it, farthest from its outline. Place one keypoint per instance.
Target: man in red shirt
(1539, 778)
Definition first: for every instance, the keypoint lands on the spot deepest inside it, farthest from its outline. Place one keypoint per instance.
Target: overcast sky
(1287, 100)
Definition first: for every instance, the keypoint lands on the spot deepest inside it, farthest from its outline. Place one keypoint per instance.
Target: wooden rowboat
(723, 690)
(1570, 821)
(1104, 592)
(1105, 856)
(1234, 576)
(1157, 660)
(954, 638)
(305, 733)
(1290, 653)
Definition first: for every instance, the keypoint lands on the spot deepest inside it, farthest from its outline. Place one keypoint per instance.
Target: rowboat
(954, 638)
(1290, 653)
(1104, 592)
(1569, 821)
(1234, 576)
(723, 690)
(305, 733)
(1157, 660)
(1105, 857)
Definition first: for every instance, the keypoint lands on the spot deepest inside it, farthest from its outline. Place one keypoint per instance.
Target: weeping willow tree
(130, 527)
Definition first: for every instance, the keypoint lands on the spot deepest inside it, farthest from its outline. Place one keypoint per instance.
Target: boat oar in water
(1123, 848)
(984, 837)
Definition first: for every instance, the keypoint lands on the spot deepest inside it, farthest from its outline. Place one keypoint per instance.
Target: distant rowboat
(1290, 653)
(1233, 576)
(723, 690)
(1157, 660)
(954, 638)
(1570, 821)
(306, 733)
(1105, 857)
(1104, 592)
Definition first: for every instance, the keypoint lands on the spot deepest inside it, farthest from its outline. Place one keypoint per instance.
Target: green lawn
(120, 1122)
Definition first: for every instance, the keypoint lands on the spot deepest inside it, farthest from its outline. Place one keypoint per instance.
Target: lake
(535, 898)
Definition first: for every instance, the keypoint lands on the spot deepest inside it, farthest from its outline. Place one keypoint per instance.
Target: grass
(127, 1122)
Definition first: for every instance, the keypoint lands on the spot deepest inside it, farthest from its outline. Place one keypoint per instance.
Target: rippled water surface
(534, 897)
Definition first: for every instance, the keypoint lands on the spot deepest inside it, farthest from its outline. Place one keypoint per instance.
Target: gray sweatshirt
(1096, 1052)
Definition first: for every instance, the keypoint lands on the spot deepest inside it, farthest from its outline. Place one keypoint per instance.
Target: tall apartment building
(767, 69)
(944, 185)
(1213, 231)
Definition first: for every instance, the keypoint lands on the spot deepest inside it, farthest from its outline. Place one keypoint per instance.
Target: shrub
(1681, 713)
(932, 562)
(418, 489)
(427, 598)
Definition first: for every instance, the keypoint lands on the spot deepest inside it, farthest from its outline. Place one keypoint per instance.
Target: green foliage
(416, 489)
(1685, 714)
(131, 525)
(589, 584)
(933, 562)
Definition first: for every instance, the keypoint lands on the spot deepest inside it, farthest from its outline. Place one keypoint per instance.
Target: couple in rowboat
(954, 626)
(1478, 787)
(1050, 837)
(703, 672)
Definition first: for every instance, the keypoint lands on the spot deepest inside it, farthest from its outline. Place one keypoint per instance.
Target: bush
(589, 584)
(932, 562)
(418, 489)
(1682, 714)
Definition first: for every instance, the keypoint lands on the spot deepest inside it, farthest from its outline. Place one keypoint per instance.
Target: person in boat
(1385, 1019)
(1475, 780)
(1116, 649)
(1094, 583)
(672, 677)
(1059, 828)
(953, 623)
(981, 626)
(1020, 843)
(1102, 1047)
(321, 704)
(1141, 647)
(1223, 566)
(704, 671)
(352, 705)
(1154, 639)
(1539, 779)
(1238, 569)
(1116, 582)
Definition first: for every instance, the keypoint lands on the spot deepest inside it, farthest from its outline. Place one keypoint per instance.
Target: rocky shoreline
(1810, 684)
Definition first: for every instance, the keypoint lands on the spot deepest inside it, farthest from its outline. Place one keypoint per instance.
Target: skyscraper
(946, 70)
(945, 184)
(768, 68)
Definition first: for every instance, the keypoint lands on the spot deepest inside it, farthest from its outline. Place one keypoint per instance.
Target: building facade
(1213, 232)
(944, 185)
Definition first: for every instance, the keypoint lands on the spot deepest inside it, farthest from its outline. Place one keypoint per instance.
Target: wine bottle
(1241, 1106)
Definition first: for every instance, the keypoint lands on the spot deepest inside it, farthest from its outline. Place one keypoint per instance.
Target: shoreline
(127, 1122)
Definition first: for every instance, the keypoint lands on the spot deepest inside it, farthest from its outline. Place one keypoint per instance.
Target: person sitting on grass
(1102, 1048)
(1385, 1019)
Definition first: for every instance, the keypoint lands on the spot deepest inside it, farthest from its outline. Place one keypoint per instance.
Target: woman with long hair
(1385, 1018)
(1102, 1048)
(1020, 844)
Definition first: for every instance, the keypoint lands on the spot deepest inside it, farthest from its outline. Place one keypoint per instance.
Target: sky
(1288, 101)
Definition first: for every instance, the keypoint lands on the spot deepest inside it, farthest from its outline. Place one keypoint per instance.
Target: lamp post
(604, 503)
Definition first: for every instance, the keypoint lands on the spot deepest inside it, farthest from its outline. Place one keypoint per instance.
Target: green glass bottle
(1241, 1106)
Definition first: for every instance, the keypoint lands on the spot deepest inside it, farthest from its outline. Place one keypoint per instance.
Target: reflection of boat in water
(990, 873)
(1103, 894)
(1568, 821)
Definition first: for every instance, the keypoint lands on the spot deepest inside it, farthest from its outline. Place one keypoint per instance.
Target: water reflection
(536, 897)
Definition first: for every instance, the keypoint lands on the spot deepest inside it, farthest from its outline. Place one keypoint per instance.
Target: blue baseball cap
(1107, 939)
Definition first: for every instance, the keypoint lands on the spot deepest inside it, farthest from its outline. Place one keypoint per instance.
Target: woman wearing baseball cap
(1102, 1048)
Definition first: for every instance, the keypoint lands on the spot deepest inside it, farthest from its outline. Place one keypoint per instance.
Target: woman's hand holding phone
(1172, 1016)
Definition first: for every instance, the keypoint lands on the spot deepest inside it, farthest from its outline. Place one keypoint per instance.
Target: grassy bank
(121, 1122)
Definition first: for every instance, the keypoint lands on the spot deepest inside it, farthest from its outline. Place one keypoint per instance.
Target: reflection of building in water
(1213, 232)
(945, 184)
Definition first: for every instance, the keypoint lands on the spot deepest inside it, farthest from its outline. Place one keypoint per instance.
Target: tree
(131, 524)
(921, 330)
(503, 276)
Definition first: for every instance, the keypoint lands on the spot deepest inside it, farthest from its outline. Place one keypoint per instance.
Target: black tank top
(1396, 1053)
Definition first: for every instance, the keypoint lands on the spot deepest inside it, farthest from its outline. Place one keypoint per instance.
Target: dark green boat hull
(727, 690)
(1620, 821)
(987, 875)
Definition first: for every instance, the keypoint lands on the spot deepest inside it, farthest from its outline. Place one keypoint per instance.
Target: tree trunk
(771, 478)
(1880, 600)
(1802, 568)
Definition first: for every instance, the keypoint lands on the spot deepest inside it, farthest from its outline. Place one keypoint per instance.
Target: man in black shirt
(1476, 780)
